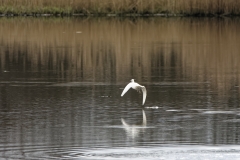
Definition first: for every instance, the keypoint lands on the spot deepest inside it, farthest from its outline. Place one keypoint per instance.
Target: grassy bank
(120, 7)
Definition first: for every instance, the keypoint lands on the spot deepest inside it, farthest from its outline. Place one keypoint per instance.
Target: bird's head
(132, 80)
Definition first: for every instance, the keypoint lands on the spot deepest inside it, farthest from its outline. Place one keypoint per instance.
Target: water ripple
(154, 152)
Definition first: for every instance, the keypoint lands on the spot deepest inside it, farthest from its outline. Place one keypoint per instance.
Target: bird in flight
(137, 87)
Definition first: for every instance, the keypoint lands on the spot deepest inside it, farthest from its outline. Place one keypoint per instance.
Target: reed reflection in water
(97, 49)
(61, 81)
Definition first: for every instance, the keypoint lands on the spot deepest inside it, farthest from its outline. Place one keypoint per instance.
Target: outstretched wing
(144, 91)
(126, 88)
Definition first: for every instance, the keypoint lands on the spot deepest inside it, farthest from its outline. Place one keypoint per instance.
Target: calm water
(61, 81)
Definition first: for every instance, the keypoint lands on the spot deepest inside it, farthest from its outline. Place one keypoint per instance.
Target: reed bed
(120, 7)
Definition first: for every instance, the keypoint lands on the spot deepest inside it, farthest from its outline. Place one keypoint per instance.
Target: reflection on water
(133, 131)
(61, 81)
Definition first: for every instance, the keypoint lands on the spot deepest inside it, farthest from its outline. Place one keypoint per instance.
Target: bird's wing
(144, 91)
(126, 88)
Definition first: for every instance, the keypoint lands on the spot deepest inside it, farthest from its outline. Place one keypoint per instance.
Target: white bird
(137, 87)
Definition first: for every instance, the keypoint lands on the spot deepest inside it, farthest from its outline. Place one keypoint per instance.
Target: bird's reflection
(133, 131)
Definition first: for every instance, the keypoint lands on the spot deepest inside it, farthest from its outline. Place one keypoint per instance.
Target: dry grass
(121, 7)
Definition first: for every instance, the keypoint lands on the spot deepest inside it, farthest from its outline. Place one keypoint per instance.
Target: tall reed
(121, 7)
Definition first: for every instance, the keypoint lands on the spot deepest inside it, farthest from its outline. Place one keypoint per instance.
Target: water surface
(61, 81)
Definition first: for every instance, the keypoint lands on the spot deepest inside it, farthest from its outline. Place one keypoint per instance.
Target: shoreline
(114, 15)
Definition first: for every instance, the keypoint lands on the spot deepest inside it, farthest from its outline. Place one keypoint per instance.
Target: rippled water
(61, 81)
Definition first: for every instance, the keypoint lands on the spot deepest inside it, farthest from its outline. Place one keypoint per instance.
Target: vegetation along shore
(120, 7)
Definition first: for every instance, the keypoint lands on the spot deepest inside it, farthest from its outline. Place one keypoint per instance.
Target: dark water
(61, 81)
